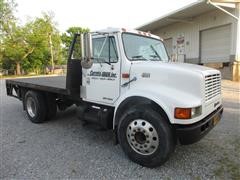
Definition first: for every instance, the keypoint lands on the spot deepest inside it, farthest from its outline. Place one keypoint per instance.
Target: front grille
(212, 86)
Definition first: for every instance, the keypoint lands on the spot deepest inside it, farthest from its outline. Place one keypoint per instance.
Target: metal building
(205, 32)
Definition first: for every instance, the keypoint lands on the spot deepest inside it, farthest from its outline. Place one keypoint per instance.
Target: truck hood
(188, 78)
(174, 66)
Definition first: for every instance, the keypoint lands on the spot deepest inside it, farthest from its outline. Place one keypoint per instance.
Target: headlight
(197, 111)
(187, 113)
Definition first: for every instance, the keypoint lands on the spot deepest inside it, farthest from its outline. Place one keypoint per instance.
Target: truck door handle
(126, 83)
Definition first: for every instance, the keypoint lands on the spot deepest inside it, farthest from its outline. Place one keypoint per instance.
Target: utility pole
(51, 51)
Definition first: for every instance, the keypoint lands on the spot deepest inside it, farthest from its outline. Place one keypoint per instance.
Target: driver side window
(105, 50)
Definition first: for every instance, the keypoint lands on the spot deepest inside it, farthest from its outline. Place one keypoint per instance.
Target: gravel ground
(63, 148)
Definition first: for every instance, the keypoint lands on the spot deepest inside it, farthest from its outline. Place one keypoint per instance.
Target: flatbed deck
(56, 84)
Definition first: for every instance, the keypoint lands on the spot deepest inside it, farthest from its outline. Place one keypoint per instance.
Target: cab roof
(122, 30)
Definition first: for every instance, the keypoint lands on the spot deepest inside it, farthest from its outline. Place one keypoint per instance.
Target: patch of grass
(230, 168)
(227, 169)
(197, 178)
(236, 145)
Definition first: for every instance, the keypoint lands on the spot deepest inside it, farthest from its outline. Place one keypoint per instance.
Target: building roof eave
(184, 14)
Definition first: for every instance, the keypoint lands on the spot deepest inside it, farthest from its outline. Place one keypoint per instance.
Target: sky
(98, 14)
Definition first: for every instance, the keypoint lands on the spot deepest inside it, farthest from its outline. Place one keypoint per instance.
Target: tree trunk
(18, 68)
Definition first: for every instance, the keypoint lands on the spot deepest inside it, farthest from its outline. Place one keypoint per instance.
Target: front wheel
(146, 136)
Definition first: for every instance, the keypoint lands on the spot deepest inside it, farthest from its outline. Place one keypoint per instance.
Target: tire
(35, 106)
(51, 107)
(151, 148)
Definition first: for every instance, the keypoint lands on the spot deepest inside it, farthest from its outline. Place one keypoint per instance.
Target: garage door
(215, 44)
(169, 46)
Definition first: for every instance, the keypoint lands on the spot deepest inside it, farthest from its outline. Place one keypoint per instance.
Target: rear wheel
(145, 136)
(35, 106)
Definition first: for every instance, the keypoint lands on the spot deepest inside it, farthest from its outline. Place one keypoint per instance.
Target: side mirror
(87, 53)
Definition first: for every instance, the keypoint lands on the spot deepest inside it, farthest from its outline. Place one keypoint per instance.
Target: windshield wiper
(154, 50)
(138, 57)
(155, 57)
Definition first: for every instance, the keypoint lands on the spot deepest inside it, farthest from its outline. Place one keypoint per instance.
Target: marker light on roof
(124, 30)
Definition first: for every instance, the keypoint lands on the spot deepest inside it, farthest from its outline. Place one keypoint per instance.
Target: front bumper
(188, 134)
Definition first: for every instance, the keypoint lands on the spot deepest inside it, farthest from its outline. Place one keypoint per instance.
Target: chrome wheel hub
(31, 107)
(142, 137)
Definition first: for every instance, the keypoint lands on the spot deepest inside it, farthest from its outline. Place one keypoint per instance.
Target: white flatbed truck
(122, 80)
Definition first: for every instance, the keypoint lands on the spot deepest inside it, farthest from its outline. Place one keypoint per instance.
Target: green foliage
(7, 21)
(33, 46)
(29, 46)
(42, 34)
(15, 48)
(68, 36)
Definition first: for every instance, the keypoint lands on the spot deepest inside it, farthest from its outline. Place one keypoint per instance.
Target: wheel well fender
(133, 101)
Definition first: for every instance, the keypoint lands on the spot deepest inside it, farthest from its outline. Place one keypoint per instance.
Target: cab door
(102, 80)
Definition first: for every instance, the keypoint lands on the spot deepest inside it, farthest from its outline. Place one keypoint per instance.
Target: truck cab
(123, 80)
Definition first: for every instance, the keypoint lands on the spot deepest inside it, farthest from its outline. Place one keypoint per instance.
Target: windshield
(141, 48)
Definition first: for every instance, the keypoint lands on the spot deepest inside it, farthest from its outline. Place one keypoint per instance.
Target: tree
(68, 36)
(45, 36)
(16, 48)
(7, 22)
(7, 18)
(33, 46)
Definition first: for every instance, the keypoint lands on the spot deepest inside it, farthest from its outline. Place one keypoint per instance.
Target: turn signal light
(125, 75)
(182, 113)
